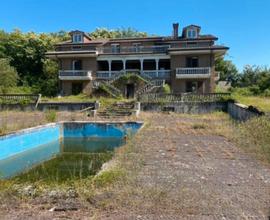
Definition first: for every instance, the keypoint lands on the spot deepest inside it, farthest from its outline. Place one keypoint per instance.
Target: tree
(8, 76)
(49, 85)
(228, 71)
(118, 33)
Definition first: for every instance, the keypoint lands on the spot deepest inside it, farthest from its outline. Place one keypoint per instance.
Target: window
(77, 38)
(136, 47)
(191, 33)
(192, 62)
(77, 65)
(115, 48)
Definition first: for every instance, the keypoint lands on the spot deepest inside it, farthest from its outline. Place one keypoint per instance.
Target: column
(110, 68)
(157, 61)
(124, 64)
(141, 60)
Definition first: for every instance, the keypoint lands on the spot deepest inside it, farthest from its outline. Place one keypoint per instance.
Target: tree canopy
(23, 57)
(117, 33)
(8, 75)
(26, 54)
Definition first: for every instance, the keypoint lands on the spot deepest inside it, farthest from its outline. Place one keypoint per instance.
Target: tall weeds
(254, 137)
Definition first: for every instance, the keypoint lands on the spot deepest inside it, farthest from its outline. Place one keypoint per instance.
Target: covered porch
(152, 68)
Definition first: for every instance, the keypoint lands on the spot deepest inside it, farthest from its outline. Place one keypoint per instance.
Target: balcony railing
(193, 72)
(160, 74)
(132, 49)
(75, 74)
(106, 74)
(151, 74)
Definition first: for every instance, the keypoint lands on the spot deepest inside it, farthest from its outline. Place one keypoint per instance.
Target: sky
(242, 25)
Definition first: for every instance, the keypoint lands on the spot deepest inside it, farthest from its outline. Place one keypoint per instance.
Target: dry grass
(253, 136)
(130, 186)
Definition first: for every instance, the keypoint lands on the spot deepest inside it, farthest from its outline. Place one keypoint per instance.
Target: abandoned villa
(184, 61)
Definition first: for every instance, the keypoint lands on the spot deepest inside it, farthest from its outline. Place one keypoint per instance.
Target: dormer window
(77, 38)
(191, 33)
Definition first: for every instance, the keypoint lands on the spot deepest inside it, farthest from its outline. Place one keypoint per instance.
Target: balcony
(75, 75)
(106, 74)
(193, 72)
(154, 74)
(132, 49)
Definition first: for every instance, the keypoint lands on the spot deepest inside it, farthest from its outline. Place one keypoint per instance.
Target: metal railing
(149, 74)
(160, 74)
(75, 73)
(20, 98)
(193, 70)
(135, 49)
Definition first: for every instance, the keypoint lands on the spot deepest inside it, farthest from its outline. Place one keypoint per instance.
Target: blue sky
(243, 25)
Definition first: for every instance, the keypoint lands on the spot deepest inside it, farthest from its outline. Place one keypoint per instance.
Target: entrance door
(77, 88)
(130, 91)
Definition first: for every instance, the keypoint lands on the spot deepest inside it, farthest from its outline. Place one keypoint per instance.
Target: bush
(166, 89)
(242, 91)
(266, 93)
(50, 115)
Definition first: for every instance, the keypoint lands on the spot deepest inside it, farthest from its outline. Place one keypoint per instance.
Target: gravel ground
(186, 171)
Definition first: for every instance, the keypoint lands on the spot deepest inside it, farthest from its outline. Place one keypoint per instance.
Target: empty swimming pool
(62, 150)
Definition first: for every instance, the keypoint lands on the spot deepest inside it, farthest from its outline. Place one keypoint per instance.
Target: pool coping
(25, 130)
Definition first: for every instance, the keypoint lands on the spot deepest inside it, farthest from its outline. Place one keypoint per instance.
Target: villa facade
(186, 62)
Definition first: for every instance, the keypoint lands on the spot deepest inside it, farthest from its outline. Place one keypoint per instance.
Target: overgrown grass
(50, 115)
(262, 103)
(199, 126)
(67, 167)
(71, 98)
(254, 137)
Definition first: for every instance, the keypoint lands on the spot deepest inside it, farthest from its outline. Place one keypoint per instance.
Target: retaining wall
(242, 112)
(185, 107)
(59, 106)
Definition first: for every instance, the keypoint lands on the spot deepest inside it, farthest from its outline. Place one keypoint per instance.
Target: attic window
(77, 38)
(191, 33)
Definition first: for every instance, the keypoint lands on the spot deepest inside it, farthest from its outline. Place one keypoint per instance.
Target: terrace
(150, 68)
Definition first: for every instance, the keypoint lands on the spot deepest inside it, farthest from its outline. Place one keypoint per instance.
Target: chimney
(175, 30)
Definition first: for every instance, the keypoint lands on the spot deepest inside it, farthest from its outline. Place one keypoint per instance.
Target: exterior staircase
(117, 110)
(150, 86)
(113, 90)
(150, 83)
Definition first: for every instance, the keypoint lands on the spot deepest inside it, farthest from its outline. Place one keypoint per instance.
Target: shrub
(242, 91)
(266, 93)
(50, 115)
(166, 89)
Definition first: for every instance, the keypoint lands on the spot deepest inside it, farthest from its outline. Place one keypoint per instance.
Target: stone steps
(117, 110)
